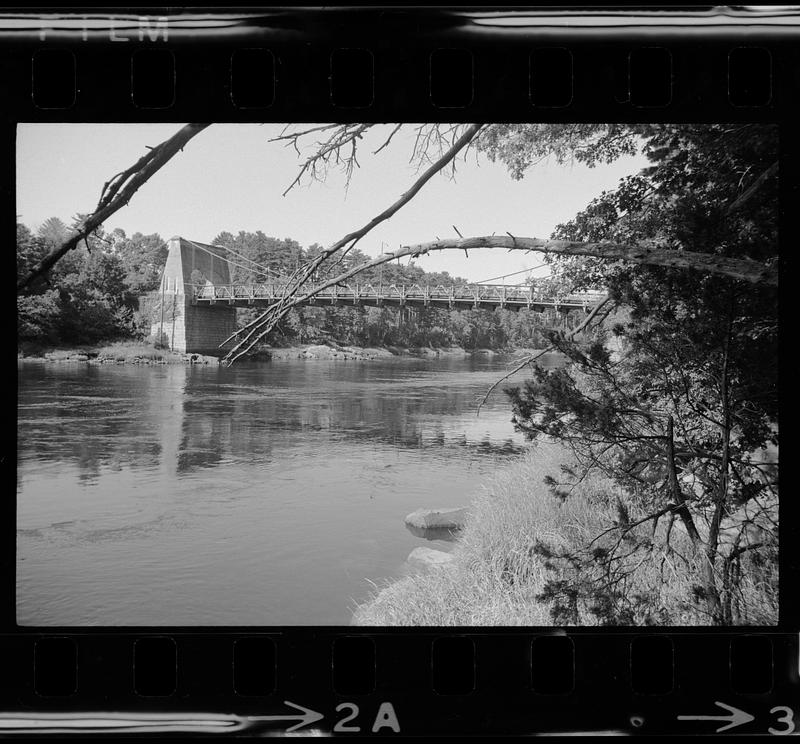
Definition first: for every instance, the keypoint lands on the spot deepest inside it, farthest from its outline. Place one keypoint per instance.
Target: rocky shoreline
(336, 351)
(144, 354)
(91, 356)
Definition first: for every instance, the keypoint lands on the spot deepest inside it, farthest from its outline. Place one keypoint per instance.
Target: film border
(401, 42)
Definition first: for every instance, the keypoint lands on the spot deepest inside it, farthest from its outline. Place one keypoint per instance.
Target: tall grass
(497, 574)
(494, 578)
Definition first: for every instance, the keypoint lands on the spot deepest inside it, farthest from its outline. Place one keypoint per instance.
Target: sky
(232, 177)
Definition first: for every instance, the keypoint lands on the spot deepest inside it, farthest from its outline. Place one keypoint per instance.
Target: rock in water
(447, 534)
(448, 519)
(427, 559)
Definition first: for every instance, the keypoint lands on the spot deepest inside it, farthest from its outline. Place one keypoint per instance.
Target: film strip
(397, 65)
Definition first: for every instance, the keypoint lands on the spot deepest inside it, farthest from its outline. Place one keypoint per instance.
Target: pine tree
(681, 416)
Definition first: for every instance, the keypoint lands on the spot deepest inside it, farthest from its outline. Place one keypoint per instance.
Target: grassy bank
(496, 575)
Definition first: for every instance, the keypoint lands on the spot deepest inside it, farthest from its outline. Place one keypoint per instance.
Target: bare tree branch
(755, 186)
(256, 330)
(388, 139)
(116, 194)
(683, 510)
(529, 360)
(342, 135)
(328, 150)
(745, 269)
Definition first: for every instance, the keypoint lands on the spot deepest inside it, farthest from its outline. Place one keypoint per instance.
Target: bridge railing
(463, 293)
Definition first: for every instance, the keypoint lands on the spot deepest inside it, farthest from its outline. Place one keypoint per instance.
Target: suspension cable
(246, 258)
(513, 273)
(264, 270)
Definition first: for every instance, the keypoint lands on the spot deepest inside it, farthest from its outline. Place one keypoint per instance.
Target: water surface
(265, 494)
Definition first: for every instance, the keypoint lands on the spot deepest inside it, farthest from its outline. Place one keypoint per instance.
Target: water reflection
(99, 419)
(185, 419)
(253, 495)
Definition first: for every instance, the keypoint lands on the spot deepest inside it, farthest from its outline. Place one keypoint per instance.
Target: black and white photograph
(397, 374)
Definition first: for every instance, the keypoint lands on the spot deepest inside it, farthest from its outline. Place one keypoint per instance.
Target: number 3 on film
(385, 718)
(787, 718)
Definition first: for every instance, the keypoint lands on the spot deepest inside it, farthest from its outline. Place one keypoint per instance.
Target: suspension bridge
(453, 297)
(198, 301)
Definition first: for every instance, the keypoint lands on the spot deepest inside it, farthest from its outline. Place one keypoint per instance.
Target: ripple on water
(229, 495)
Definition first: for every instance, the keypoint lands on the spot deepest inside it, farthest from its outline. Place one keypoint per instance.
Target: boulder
(440, 519)
(318, 351)
(445, 534)
(428, 559)
(373, 351)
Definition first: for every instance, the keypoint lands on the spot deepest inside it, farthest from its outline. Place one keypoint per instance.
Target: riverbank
(494, 576)
(120, 352)
(332, 350)
(140, 352)
(498, 567)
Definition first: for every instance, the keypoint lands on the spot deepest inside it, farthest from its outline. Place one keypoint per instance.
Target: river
(261, 494)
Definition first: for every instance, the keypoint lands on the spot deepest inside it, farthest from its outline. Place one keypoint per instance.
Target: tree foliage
(91, 294)
(680, 409)
(521, 146)
(94, 295)
(142, 258)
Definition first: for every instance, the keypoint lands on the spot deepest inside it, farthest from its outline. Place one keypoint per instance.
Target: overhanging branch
(116, 194)
(737, 268)
(533, 357)
(257, 329)
(747, 194)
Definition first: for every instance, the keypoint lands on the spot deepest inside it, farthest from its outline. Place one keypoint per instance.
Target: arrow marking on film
(736, 718)
(308, 716)
(106, 722)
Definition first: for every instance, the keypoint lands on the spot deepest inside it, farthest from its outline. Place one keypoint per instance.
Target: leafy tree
(681, 415)
(86, 297)
(38, 309)
(30, 249)
(38, 317)
(142, 257)
(257, 252)
(96, 301)
(53, 232)
(520, 146)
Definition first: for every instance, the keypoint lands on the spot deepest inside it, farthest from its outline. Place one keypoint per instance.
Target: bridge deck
(455, 297)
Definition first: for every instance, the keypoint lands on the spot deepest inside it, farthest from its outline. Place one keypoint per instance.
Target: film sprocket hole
(311, 439)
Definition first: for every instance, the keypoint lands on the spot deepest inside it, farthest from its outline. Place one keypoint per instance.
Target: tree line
(95, 294)
(92, 293)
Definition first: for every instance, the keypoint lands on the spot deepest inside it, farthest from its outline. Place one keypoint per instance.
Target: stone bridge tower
(179, 323)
